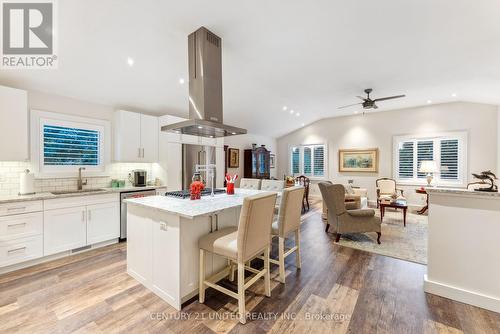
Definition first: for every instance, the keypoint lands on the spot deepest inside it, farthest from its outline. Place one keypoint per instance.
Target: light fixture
(302, 125)
(200, 127)
(233, 133)
(182, 81)
(298, 114)
(429, 167)
(454, 95)
(291, 111)
(429, 101)
(285, 108)
(130, 61)
(356, 111)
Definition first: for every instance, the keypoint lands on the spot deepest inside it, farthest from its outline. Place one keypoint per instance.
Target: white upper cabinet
(136, 137)
(13, 124)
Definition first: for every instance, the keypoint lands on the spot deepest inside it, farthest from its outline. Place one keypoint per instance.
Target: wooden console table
(426, 207)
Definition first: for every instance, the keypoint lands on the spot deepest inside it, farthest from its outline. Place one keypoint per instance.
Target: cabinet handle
(83, 215)
(90, 215)
(16, 208)
(139, 152)
(143, 152)
(18, 224)
(16, 250)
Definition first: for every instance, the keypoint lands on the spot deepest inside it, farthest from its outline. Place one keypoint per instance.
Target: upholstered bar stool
(288, 222)
(252, 238)
(250, 184)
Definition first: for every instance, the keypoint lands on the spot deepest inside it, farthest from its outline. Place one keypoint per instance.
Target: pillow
(349, 190)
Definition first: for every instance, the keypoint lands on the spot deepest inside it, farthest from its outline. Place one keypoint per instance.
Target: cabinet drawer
(75, 201)
(20, 207)
(21, 226)
(20, 250)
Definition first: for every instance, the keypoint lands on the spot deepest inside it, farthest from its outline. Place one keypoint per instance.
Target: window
(447, 150)
(70, 146)
(308, 160)
(63, 143)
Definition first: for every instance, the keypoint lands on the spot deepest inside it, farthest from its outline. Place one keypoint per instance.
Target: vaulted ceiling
(311, 56)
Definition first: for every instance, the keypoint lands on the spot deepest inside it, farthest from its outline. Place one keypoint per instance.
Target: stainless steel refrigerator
(193, 155)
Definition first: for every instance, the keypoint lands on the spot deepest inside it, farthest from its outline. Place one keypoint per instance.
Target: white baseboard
(461, 295)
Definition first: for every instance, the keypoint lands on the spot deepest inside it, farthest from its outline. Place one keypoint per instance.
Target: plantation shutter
(70, 146)
(405, 168)
(425, 151)
(449, 159)
(307, 160)
(319, 160)
(295, 160)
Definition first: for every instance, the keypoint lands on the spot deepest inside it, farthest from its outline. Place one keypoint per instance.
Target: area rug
(407, 243)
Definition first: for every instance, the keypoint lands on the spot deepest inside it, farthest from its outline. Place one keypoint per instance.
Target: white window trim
(301, 164)
(462, 136)
(39, 118)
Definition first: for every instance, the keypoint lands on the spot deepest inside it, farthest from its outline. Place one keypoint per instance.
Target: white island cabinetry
(162, 240)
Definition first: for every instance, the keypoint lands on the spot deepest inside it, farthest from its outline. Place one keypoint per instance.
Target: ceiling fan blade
(375, 106)
(350, 105)
(389, 98)
(361, 98)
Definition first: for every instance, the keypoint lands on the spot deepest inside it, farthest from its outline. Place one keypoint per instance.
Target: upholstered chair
(272, 185)
(344, 220)
(288, 222)
(239, 245)
(386, 190)
(352, 202)
(250, 184)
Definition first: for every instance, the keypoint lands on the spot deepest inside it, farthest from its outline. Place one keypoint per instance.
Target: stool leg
(297, 252)
(281, 258)
(241, 292)
(201, 288)
(267, 275)
(231, 270)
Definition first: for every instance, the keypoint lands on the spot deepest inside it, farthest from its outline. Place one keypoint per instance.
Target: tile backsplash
(10, 170)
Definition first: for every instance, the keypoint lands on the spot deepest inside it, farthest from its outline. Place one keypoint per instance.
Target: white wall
(243, 142)
(378, 129)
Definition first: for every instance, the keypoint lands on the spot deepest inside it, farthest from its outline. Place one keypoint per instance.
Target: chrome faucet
(80, 183)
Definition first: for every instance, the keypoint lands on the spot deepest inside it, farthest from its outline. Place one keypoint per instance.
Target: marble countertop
(49, 195)
(458, 191)
(190, 209)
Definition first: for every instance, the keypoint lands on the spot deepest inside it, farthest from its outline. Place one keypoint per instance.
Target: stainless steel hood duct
(205, 89)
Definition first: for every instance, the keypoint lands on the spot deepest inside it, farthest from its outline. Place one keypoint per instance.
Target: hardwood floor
(338, 290)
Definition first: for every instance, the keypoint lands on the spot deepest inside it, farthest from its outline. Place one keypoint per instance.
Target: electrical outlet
(163, 226)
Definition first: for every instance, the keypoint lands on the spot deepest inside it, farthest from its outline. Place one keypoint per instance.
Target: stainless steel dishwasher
(123, 207)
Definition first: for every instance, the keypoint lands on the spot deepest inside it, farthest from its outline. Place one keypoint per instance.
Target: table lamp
(428, 167)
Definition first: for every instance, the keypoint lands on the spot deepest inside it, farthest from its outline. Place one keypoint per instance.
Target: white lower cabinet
(64, 229)
(102, 222)
(20, 250)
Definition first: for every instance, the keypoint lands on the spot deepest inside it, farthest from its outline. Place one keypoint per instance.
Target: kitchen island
(464, 251)
(162, 243)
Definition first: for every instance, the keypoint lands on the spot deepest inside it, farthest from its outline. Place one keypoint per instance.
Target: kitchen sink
(67, 192)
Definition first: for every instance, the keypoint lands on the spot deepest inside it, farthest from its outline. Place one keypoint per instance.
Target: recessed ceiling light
(454, 95)
(298, 114)
(291, 111)
(200, 127)
(233, 133)
(130, 61)
(182, 81)
(356, 112)
(285, 108)
(302, 124)
(429, 101)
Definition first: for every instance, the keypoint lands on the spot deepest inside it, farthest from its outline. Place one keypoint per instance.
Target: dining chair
(250, 184)
(305, 182)
(239, 245)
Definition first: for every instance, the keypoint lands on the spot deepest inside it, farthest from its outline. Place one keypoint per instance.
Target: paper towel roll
(26, 183)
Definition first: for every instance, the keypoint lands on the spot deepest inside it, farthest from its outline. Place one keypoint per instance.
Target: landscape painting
(358, 160)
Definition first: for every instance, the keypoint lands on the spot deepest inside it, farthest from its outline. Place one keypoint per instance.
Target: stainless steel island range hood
(205, 89)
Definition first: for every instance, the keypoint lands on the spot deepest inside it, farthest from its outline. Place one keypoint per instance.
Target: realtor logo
(28, 33)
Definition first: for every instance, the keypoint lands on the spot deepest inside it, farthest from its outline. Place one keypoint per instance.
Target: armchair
(386, 189)
(343, 219)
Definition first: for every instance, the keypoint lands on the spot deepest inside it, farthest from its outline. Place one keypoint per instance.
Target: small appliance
(139, 178)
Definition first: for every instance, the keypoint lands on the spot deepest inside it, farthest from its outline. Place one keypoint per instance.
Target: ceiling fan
(368, 103)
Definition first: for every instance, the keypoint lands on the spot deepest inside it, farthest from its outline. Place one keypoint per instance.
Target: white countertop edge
(462, 192)
(48, 195)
